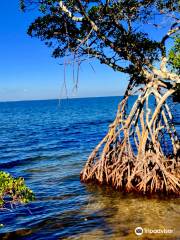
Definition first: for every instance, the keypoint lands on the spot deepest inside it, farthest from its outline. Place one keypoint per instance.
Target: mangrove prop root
(132, 156)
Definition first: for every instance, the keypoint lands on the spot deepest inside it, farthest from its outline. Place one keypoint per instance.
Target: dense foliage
(13, 190)
(174, 62)
(118, 33)
(174, 55)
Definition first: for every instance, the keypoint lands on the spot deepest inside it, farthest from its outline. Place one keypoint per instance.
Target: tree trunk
(139, 152)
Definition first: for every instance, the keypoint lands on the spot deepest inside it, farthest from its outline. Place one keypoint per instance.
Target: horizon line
(58, 99)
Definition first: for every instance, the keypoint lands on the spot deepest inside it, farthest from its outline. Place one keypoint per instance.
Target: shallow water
(48, 144)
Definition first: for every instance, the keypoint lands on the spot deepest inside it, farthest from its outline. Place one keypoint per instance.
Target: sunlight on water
(48, 146)
(121, 214)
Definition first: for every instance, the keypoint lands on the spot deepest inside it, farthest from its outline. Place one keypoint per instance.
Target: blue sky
(27, 70)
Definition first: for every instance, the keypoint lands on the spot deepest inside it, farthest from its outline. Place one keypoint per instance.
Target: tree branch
(163, 48)
(105, 60)
(69, 13)
(170, 32)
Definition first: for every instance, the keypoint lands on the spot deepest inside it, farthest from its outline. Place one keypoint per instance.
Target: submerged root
(131, 157)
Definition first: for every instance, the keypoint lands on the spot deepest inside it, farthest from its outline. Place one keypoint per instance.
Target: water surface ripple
(48, 144)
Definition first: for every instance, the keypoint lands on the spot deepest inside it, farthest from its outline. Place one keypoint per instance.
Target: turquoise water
(48, 143)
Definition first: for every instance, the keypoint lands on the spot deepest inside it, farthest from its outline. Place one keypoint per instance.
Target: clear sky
(27, 70)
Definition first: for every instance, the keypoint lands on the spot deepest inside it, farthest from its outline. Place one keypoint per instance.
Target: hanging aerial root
(132, 157)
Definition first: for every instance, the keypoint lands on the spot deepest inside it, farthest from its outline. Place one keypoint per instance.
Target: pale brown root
(131, 157)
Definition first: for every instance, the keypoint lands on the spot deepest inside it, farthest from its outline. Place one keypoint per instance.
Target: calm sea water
(48, 144)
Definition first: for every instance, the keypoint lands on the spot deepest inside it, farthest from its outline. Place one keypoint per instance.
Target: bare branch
(69, 13)
(170, 32)
(163, 48)
(105, 60)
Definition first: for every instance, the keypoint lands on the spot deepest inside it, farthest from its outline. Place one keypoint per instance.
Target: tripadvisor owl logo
(139, 231)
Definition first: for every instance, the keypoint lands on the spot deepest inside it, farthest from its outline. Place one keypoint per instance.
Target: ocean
(48, 142)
